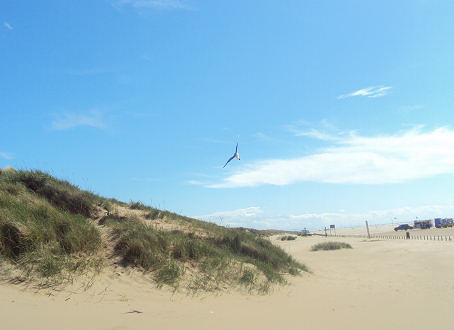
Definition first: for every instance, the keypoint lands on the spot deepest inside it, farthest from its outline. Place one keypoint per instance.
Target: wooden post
(367, 226)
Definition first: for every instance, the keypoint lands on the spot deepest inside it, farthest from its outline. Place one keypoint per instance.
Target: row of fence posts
(417, 237)
(413, 237)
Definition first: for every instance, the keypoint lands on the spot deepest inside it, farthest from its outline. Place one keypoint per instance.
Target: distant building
(423, 224)
(443, 223)
(304, 232)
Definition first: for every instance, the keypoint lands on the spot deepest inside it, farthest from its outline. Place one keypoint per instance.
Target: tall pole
(367, 226)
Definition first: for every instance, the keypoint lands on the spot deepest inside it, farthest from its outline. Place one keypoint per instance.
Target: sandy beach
(379, 284)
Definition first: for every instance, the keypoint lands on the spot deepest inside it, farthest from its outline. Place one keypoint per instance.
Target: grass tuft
(331, 246)
(61, 194)
(37, 233)
(137, 205)
(288, 238)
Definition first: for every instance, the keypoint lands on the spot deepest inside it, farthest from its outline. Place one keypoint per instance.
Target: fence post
(367, 227)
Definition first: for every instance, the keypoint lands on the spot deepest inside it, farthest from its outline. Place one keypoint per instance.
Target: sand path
(393, 284)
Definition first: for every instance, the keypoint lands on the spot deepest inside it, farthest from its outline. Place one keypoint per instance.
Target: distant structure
(305, 232)
(423, 224)
(444, 223)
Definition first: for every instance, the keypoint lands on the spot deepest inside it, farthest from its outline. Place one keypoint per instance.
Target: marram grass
(331, 246)
(50, 229)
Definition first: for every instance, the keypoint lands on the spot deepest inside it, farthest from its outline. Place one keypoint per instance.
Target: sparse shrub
(136, 205)
(248, 277)
(13, 242)
(288, 238)
(154, 214)
(268, 258)
(331, 246)
(169, 273)
(50, 265)
(138, 244)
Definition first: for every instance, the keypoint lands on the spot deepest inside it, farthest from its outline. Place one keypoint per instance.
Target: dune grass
(36, 235)
(287, 238)
(165, 254)
(47, 230)
(330, 246)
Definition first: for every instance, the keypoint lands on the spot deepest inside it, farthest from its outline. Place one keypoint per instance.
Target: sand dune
(393, 284)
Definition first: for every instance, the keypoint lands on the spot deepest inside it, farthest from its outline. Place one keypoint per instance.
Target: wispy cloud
(316, 134)
(356, 159)
(325, 132)
(246, 212)
(158, 4)
(8, 26)
(6, 155)
(234, 218)
(195, 182)
(70, 120)
(372, 92)
(409, 108)
(255, 217)
(262, 137)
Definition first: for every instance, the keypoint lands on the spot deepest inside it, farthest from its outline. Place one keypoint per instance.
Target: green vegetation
(331, 246)
(51, 230)
(218, 259)
(287, 238)
(42, 225)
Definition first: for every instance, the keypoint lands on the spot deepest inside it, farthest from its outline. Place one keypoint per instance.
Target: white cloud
(246, 212)
(7, 25)
(247, 217)
(402, 214)
(195, 182)
(355, 159)
(327, 131)
(372, 92)
(70, 120)
(254, 217)
(316, 134)
(6, 155)
(160, 4)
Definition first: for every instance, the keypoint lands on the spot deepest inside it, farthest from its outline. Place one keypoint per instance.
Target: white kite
(236, 154)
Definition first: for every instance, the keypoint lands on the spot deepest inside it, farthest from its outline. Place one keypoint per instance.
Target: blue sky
(343, 110)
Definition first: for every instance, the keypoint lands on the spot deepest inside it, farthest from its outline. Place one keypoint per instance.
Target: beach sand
(379, 284)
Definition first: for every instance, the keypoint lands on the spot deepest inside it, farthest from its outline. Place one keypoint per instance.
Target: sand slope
(394, 284)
